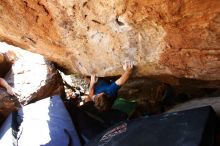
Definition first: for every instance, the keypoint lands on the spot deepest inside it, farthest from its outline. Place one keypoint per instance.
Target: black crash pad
(195, 127)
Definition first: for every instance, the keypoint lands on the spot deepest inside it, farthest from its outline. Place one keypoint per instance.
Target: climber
(96, 115)
(103, 93)
(7, 59)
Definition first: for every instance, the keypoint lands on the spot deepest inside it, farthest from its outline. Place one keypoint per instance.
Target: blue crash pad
(194, 127)
(45, 123)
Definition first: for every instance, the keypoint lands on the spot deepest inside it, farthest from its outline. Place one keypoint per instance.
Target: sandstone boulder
(163, 37)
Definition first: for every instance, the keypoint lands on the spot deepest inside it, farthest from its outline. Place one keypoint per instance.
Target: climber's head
(11, 56)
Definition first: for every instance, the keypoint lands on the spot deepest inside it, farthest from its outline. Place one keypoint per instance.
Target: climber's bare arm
(128, 68)
(93, 80)
(5, 85)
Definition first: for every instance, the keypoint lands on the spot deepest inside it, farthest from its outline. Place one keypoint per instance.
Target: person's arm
(128, 67)
(4, 84)
(93, 80)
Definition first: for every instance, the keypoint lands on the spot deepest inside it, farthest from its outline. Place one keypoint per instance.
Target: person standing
(7, 59)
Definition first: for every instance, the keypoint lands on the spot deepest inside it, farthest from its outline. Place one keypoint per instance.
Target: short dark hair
(103, 103)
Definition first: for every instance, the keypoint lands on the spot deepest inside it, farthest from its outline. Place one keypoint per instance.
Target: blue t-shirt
(111, 89)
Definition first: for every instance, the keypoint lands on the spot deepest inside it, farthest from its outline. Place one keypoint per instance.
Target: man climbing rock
(103, 93)
(96, 115)
(6, 61)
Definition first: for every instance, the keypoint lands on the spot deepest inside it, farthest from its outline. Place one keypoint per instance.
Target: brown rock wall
(162, 37)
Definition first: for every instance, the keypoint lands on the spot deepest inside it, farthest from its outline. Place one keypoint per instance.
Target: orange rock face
(180, 38)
